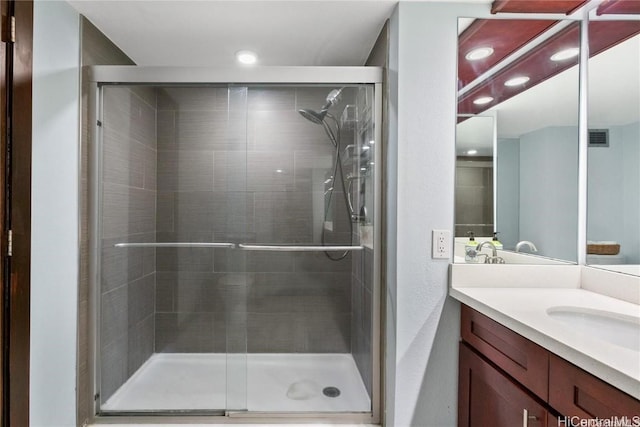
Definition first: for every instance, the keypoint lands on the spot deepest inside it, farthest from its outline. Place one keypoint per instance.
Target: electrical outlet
(441, 244)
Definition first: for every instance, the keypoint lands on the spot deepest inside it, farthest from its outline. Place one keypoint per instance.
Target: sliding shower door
(172, 207)
(311, 170)
(234, 257)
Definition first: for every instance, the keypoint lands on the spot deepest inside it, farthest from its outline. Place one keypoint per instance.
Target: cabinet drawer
(524, 360)
(489, 398)
(574, 392)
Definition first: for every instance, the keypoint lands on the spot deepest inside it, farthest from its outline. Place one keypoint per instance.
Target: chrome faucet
(493, 248)
(532, 247)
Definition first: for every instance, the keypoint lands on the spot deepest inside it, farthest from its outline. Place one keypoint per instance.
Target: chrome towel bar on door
(287, 248)
(176, 245)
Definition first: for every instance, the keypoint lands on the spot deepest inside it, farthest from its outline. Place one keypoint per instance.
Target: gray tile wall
(474, 200)
(248, 175)
(129, 193)
(362, 314)
(97, 49)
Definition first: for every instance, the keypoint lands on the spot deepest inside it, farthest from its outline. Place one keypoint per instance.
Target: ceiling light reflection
(565, 54)
(517, 81)
(483, 100)
(479, 53)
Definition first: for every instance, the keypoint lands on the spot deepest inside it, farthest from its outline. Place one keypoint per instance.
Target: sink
(614, 328)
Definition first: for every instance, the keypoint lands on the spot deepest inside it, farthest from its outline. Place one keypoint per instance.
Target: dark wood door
(486, 397)
(16, 49)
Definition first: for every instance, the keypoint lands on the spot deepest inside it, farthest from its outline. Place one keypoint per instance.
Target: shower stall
(235, 242)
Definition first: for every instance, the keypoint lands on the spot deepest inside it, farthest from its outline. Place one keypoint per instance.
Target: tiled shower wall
(128, 215)
(254, 175)
(97, 49)
(362, 315)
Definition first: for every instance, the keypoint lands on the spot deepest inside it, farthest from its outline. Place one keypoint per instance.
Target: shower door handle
(288, 248)
(176, 245)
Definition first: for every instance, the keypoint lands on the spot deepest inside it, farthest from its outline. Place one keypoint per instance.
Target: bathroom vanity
(527, 355)
(507, 380)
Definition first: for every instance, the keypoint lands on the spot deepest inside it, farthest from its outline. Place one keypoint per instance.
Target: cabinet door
(579, 394)
(522, 359)
(489, 398)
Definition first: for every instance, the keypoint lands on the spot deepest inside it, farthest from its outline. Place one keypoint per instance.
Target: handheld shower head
(313, 116)
(318, 117)
(331, 126)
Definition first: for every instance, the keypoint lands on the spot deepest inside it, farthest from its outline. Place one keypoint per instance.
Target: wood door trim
(4, 267)
(16, 212)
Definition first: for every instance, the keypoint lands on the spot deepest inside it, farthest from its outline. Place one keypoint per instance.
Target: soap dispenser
(496, 242)
(470, 252)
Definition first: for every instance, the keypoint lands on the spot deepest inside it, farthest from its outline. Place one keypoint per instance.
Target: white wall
(631, 136)
(549, 191)
(613, 211)
(508, 189)
(54, 268)
(424, 325)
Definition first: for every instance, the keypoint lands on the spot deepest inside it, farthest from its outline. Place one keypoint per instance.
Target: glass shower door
(310, 173)
(172, 208)
(239, 208)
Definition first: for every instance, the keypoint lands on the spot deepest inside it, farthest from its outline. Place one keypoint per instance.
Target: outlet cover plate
(441, 244)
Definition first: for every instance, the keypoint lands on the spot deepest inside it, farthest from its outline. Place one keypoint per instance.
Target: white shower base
(274, 383)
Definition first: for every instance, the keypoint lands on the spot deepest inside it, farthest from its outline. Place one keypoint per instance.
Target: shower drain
(331, 391)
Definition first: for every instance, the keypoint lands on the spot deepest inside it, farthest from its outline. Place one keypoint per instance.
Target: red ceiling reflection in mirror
(503, 36)
(606, 34)
(536, 6)
(619, 7)
(536, 64)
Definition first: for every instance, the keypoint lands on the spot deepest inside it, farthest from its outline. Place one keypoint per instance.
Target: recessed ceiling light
(279, 170)
(483, 100)
(479, 53)
(246, 57)
(472, 152)
(517, 81)
(565, 54)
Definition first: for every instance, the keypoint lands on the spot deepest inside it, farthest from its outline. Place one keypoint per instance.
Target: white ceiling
(340, 32)
(210, 32)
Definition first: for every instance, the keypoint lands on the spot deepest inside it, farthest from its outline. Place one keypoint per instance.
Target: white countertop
(524, 310)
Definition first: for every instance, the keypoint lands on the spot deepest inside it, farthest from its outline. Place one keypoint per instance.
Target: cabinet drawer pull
(526, 418)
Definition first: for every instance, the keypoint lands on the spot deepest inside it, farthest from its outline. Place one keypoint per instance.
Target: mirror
(613, 173)
(475, 140)
(532, 102)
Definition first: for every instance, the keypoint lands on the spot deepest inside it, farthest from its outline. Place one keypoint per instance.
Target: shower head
(318, 117)
(313, 116)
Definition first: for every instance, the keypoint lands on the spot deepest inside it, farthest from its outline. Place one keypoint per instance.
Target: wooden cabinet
(525, 361)
(575, 392)
(489, 398)
(502, 375)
